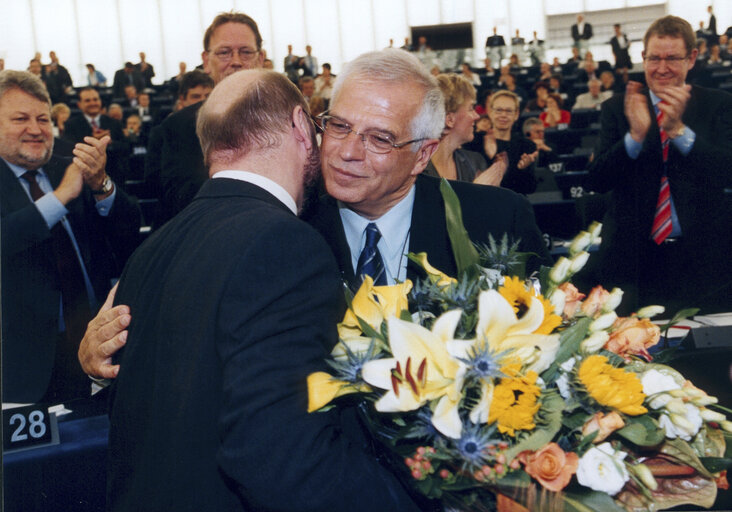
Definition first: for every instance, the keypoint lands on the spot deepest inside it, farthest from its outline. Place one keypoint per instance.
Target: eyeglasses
(226, 54)
(671, 60)
(507, 111)
(374, 141)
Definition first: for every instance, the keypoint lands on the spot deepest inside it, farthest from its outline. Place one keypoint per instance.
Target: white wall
(109, 32)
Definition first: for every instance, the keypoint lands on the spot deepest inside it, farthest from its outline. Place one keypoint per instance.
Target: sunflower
(515, 401)
(516, 293)
(612, 387)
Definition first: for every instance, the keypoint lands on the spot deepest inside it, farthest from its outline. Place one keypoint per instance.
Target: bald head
(248, 111)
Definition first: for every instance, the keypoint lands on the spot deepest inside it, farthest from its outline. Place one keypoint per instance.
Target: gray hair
(530, 123)
(26, 82)
(397, 66)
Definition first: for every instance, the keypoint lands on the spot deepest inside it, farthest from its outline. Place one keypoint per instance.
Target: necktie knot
(35, 189)
(373, 235)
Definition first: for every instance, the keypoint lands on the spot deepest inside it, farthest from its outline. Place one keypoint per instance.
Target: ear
(204, 58)
(450, 120)
(424, 153)
(302, 127)
(692, 57)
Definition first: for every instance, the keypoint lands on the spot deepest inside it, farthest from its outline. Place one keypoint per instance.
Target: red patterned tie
(662, 225)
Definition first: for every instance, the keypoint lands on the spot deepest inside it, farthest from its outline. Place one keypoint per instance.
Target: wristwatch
(677, 133)
(107, 186)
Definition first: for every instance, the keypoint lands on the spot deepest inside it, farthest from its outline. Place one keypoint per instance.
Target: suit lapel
(428, 232)
(13, 196)
(327, 220)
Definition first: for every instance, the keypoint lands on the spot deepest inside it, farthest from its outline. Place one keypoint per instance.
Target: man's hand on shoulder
(104, 336)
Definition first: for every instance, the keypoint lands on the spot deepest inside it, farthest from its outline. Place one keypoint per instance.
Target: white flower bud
(594, 342)
(595, 229)
(558, 273)
(704, 400)
(613, 300)
(709, 415)
(579, 261)
(644, 475)
(678, 393)
(580, 243)
(558, 299)
(681, 422)
(603, 322)
(726, 425)
(650, 311)
(676, 406)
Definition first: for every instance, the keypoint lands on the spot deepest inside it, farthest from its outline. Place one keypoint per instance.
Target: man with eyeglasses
(665, 154)
(385, 121)
(231, 43)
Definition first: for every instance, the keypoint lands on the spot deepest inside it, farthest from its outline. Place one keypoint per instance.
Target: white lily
(421, 370)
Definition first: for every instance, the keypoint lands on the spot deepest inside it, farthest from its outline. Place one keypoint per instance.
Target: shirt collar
(20, 171)
(97, 118)
(394, 227)
(267, 184)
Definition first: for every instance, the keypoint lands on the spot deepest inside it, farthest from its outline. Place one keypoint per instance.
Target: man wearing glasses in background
(231, 43)
(665, 153)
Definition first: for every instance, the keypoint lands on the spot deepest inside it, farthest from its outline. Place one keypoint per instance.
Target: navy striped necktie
(370, 262)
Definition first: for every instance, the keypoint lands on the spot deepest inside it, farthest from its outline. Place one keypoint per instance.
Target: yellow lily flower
(373, 304)
(323, 388)
(502, 330)
(421, 370)
(440, 279)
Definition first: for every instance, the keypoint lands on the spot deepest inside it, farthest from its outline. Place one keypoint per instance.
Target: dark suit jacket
(77, 127)
(495, 41)
(586, 32)
(622, 57)
(234, 302)
(486, 210)
(30, 288)
(121, 80)
(697, 182)
(181, 162)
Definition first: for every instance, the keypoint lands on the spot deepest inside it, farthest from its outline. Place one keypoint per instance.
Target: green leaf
(466, 255)
(590, 501)
(642, 431)
(576, 420)
(678, 317)
(369, 331)
(682, 452)
(716, 464)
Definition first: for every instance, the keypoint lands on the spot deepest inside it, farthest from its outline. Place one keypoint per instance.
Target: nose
(236, 60)
(34, 127)
(353, 147)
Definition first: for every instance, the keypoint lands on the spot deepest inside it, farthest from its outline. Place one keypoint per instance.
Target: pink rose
(633, 336)
(606, 424)
(594, 302)
(551, 466)
(573, 299)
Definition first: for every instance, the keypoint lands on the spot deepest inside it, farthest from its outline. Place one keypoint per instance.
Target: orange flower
(572, 301)
(721, 481)
(594, 302)
(633, 336)
(605, 423)
(551, 466)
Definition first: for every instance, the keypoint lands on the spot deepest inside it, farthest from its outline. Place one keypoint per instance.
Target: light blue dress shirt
(394, 243)
(53, 211)
(683, 143)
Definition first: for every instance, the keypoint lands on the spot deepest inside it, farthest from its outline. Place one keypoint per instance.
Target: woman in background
(95, 78)
(59, 115)
(450, 160)
(555, 115)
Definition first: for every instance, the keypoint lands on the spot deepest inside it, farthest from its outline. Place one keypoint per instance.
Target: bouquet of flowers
(488, 387)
